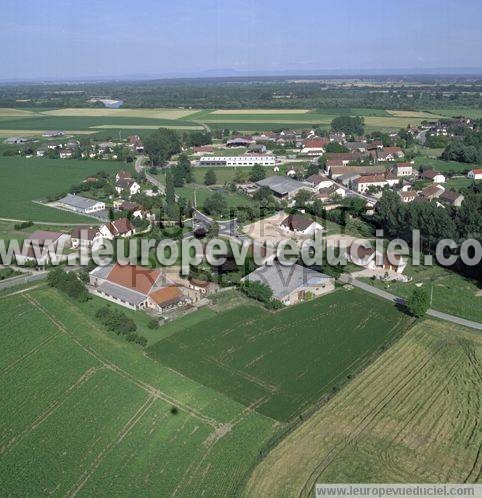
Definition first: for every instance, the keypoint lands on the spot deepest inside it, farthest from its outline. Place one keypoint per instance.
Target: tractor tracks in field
(151, 390)
(364, 424)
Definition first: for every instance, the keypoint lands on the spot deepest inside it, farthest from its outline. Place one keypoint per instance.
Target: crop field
(121, 113)
(260, 111)
(411, 416)
(86, 413)
(283, 362)
(25, 180)
(414, 114)
(100, 120)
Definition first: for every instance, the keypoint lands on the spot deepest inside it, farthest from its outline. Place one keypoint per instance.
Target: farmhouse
(344, 157)
(40, 246)
(338, 171)
(314, 146)
(408, 196)
(235, 161)
(452, 198)
(371, 259)
(284, 187)
(356, 146)
(475, 174)
(300, 225)
(389, 154)
(133, 208)
(81, 204)
(403, 169)
(127, 184)
(135, 287)
(433, 175)
(319, 182)
(292, 284)
(432, 192)
(327, 193)
(363, 183)
(117, 228)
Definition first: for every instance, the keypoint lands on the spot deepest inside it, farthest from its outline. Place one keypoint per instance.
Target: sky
(69, 39)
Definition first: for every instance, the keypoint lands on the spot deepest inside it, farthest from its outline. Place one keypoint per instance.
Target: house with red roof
(117, 228)
(475, 174)
(136, 287)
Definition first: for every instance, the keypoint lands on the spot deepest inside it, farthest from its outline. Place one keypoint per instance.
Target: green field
(442, 166)
(451, 292)
(84, 412)
(283, 362)
(26, 180)
(413, 416)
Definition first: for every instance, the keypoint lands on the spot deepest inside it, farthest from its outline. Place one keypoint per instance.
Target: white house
(319, 182)
(475, 174)
(300, 225)
(433, 175)
(363, 183)
(117, 228)
(403, 169)
(86, 238)
(127, 184)
(40, 246)
(314, 146)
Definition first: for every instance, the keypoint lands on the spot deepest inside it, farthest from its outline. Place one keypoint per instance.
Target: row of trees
(435, 223)
(118, 322)
(69, 283)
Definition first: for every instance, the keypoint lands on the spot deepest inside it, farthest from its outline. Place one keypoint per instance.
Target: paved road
(23, 279)
(398, 300)
(51, 223)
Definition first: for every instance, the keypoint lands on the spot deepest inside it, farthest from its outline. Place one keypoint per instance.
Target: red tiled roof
(134, 277)
(316, 143)
(120, 226)
(167, 295)
(296, 222)
(370, 179)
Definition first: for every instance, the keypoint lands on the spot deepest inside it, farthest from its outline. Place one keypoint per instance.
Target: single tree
(210, 177)
(419, 302)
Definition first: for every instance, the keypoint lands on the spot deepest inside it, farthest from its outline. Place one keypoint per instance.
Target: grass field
(84, 412)
(451, 292)
(442, 166)
(283, 362)
(413, 416)
(25, 180)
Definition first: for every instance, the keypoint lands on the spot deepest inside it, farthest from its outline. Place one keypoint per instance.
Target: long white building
(248, 160)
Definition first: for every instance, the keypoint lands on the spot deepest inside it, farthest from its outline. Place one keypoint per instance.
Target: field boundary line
(50, 409)
(131, 423)
(29, 353)
(108, 364)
